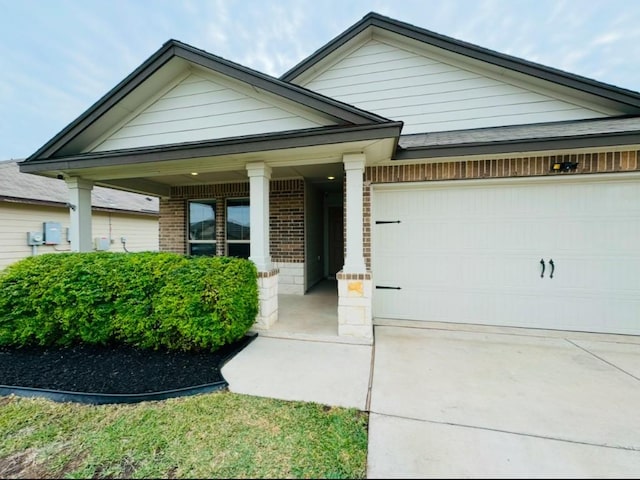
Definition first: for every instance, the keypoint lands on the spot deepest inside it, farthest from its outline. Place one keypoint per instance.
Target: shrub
(148, 300)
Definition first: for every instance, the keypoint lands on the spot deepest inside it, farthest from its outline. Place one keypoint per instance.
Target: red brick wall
(286, 216)
(504, 167)
(172, 225)
(286, 220)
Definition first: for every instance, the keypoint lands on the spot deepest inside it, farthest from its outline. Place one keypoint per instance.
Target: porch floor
(313, 316)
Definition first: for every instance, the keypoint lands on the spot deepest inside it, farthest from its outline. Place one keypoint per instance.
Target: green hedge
(149, 300)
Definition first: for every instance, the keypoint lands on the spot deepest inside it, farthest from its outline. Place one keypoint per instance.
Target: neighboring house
(463, 185)
(27, 202)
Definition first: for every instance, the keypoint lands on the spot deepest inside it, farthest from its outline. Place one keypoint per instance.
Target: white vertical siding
(431, 95)
(200, 108)
(17, 219)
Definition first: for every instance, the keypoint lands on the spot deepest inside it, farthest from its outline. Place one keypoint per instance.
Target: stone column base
(354, 305)
(268, 299)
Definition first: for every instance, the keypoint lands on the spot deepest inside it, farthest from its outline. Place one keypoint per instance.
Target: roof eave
(97, 208)
(228, 146)
(326, 49)
(95, 111)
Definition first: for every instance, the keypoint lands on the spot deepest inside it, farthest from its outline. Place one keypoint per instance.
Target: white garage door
(554, 253)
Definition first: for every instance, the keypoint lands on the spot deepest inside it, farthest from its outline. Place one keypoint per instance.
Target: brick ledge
(353, 276)
(271, 273)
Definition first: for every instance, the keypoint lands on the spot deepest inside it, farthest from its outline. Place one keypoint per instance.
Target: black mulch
(113, 369)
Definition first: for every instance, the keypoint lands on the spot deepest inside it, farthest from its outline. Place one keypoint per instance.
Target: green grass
(218, 435)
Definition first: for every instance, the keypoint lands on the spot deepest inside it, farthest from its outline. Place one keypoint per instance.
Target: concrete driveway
(479, 402)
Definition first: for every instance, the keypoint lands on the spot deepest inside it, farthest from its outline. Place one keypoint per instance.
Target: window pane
(202, 249)
(241, 250)
(238, 219)
(202, 220)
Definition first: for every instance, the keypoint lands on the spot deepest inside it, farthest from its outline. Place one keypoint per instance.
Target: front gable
(434, 83)
(203, 105)
(430, 92)
(183, 96)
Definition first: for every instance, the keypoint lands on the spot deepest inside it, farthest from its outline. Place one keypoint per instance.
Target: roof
(374, 20)
(67, 150)
(173, 50)
(543, 136)
(23, 187)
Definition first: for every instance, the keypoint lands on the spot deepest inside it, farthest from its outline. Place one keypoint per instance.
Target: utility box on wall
(101, 243)
(34, 238)
(52, 233)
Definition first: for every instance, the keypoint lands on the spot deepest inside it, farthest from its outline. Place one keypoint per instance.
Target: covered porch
(312, 278)
(240, 162)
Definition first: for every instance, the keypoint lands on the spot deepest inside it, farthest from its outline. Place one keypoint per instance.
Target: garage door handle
(384, 287)
(553, 267)
(542, 263)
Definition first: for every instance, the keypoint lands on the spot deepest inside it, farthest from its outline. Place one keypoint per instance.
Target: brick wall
(286, 220)
(172, 225)
(286, 216)
(503, 167)
(603, 162)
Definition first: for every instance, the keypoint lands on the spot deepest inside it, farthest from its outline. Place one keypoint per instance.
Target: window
(202, 227)
(238, 228)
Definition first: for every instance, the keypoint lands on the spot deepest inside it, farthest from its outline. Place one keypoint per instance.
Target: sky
(58, 57)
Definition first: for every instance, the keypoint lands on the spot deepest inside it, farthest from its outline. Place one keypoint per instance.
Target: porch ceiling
(314, 163)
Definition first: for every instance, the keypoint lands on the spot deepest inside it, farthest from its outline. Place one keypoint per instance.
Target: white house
(461, 184)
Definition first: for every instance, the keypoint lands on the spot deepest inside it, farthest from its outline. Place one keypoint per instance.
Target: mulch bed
(113, 369)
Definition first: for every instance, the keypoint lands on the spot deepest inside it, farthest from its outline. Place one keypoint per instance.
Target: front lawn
(218, 435)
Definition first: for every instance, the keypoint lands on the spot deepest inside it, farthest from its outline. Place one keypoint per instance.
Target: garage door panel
(522, 308)
(472, 255)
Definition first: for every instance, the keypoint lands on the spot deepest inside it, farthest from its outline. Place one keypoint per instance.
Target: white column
(259, 176)
(80, 214)
(354, 258)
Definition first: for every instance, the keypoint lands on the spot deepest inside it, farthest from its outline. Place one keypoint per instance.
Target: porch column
(80, 214)
(354, 257)
(354, 282)
(259, 176)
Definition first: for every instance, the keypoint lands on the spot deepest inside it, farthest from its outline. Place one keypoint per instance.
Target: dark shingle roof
(522, 132)
(514, 138)
(24, 186)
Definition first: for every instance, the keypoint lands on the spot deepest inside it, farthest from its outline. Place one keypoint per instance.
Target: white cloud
(605, 39)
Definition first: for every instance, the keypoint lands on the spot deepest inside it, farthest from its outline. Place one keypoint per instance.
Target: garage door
(553, 253)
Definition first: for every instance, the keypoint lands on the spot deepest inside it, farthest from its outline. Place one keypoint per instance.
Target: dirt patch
(23, 465)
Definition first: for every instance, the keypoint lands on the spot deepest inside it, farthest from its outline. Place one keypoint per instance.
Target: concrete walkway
(329, 373)
(469, 402)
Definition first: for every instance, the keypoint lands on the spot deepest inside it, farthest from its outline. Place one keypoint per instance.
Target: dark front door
(336, 240)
